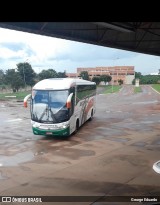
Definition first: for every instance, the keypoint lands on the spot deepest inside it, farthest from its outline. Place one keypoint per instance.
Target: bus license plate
(48, 133)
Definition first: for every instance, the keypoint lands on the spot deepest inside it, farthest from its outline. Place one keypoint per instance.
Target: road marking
(148, 102)
(155, 90)
(108, 111)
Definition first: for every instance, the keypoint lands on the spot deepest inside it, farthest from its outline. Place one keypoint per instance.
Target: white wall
(129, 79)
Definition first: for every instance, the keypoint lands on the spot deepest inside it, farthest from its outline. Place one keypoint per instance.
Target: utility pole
(24, 77)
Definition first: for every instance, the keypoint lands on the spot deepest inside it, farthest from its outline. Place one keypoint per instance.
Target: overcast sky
(44, 52)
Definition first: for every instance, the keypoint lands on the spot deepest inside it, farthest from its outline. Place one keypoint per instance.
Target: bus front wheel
(77, 127)
(90, 119)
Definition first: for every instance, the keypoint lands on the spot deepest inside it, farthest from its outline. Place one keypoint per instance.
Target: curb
(155, 90)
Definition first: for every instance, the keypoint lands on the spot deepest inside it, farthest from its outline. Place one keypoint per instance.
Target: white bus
(59, 106)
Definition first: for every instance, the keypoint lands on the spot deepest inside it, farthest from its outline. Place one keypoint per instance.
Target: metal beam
(114, 27)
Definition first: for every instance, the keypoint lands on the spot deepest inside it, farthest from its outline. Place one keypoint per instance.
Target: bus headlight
(35, 124)
(64, 125)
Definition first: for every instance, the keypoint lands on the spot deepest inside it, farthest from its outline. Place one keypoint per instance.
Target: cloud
(15, 51)
(14, 46)
(78, 52)
(83, 52)
(121, 54)
(46, 52)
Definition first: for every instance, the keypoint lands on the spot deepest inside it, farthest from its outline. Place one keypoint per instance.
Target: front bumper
(60, 132)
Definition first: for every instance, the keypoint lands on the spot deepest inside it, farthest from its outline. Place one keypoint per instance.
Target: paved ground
(112, 155)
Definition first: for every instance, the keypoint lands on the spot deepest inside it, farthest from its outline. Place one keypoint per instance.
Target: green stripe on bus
(64, 132)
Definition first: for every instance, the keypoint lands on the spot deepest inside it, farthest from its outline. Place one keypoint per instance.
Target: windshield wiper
(52, 115)
(45, 110)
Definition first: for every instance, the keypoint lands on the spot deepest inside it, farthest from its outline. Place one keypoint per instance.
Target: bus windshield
(49, 106)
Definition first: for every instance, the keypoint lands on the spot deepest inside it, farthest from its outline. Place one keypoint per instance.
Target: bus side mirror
(25, 100)
(68, 104)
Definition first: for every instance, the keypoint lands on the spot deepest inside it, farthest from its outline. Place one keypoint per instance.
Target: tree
(61, 75)
(120, 81)
(84, 75)
(2, 76)
(27, 73)
(133, 82)
(45, 74)
(96, 80)
(105, 78)
(138, 75)
(149, 79)
(14, 79)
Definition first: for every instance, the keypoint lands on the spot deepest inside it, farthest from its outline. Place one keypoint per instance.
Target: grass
(111, 89)
(156, 87)
(19, 95)
(137, 89)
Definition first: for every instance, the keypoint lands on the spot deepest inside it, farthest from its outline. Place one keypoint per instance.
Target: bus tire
(90, 119)
(77, 126)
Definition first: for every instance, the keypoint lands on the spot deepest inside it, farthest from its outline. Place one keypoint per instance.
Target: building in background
(125, 73)
(71, 75)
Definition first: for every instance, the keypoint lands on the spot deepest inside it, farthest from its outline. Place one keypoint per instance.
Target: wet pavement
(112, 155)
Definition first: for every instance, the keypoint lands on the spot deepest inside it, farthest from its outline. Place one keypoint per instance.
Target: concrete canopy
(142, 37)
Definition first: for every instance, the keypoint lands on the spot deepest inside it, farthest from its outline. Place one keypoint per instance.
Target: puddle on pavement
(2, 106)
(118, 139)
(132, 159)
(104, 131)
(39, 153)
(137, 127)
(91, 137)
(16, 159)
(25, 168)
(111, 138)
(147, 122)
(74, 154)
(149, 144)
(3, 176)
(28, 139)
(156, 142)
(10, 105)
(139, 144)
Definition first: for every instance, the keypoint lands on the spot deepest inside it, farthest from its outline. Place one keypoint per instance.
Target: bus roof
(60, 83)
